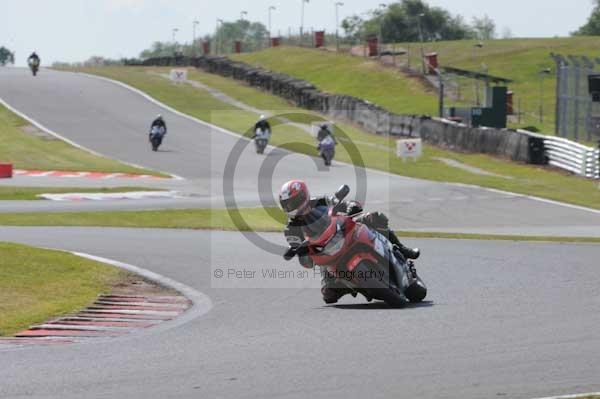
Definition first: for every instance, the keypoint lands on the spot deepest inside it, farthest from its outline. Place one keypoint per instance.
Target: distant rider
(325, 131)
(33, 58)
(295, 200)
(159, 123)
(262, 125)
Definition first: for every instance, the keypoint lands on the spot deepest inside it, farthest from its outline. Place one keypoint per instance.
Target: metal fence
(576, 114)
(574, 157)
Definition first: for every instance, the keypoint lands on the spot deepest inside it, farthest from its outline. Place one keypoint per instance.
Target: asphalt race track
(516, 319)
(114, 121)
(504, 319)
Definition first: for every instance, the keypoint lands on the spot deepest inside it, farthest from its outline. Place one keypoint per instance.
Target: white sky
(74, 30)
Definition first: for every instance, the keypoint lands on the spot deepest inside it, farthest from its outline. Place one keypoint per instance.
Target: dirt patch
(35, 132)
(136, 285)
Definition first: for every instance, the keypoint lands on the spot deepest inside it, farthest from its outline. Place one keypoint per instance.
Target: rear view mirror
(342, 192)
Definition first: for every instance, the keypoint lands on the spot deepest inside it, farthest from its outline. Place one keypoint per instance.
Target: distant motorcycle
(327, 149)
(156, 137)
(34, 65)
(261, 140)
(359, 257)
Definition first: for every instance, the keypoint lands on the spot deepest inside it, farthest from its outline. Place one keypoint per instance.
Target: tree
(6, 56)
(592, 26)
(159, 49)
(484, 27)
(353, 27)
(399, 22)
(253, 35)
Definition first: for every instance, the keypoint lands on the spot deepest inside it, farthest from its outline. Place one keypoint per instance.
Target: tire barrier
(517, 145)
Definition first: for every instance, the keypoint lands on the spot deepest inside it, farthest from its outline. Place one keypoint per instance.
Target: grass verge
(376, 152)
(37, 284)
(31, 193)
(27, 148)
(258, 219)
(520, 60)
(251, 219)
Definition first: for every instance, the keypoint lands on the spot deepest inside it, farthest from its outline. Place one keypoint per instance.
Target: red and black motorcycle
(361, 258)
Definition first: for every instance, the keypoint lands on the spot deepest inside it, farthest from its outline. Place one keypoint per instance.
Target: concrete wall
(371, 117)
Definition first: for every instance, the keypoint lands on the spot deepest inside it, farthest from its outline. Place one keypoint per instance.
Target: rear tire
(417, 291)
(379, 288)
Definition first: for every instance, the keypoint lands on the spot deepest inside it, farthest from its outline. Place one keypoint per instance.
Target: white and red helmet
(294, 198)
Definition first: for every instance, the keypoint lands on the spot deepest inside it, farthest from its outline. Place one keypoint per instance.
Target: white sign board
(178, 75)
(409, 148)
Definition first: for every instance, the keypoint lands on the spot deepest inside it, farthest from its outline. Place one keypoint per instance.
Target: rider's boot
(330, 290)
(408, 253)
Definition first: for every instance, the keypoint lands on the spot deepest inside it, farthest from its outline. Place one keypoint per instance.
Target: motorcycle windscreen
(317, 221)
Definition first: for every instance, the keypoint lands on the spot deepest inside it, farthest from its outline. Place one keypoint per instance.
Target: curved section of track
(112, 120)
(504, 319)
(512, 319)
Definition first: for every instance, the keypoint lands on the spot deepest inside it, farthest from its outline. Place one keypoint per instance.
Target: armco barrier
(515, 145)
(572, 156)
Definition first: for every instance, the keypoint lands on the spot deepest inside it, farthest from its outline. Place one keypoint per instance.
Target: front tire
(155, 144)
(378, 288)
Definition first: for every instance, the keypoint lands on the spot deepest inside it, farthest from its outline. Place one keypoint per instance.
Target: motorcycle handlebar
(300, 250)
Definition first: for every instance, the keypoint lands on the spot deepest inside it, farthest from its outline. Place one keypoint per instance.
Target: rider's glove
(289, 254)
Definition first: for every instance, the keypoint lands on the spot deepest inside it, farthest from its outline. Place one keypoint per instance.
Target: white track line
(74, 144)
(220, 129)
(201, 303)
(580, 395)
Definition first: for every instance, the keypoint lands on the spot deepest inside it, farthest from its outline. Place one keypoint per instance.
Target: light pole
(217, 41)
(421, 40)
(194, 25)
(542, 74)
(302, 21)
(337, 25)
(271, 8)
(380, 41)
(175, 30)
(475, 47)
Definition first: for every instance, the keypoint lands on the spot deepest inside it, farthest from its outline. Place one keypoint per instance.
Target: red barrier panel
(238, 47)
(6, 170)
(319, 38)
(275, 41)
(206, 47)
(373, 44)
(432, 63)
(510, 109)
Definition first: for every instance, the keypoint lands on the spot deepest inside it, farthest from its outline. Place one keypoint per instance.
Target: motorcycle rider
(160, 123)
(33, 57)
(263, 125)
(325, 131)
(295, 200)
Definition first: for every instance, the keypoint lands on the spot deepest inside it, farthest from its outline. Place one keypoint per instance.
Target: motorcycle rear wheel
(379, 288)
(417, 291)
